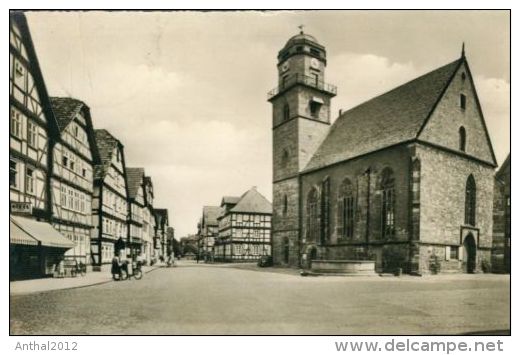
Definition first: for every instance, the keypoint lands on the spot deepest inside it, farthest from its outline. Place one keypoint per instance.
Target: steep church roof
(253, 202)
(134, 180)
(391, 118)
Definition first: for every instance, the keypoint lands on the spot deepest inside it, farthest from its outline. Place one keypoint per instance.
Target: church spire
(463, 54)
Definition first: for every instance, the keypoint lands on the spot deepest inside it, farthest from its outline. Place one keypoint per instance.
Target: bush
(265, 261)
(486, 266)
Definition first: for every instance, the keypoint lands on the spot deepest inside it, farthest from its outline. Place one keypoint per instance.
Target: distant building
(148, 222)
(189, 246)
(161, 228)
(501, 257)
(209, 230)
(34, 246)
(109, 206)
(74, 156)
(136, 206)
(244, 232)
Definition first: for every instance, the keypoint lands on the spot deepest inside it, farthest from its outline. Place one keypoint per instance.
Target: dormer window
(463, 101)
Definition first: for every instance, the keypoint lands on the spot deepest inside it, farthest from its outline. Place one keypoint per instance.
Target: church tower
(301, 120)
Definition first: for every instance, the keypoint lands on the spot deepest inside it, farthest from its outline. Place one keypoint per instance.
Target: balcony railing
(305, 80)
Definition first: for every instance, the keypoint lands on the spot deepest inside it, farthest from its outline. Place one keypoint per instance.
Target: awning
(18, 236)
(25, 229)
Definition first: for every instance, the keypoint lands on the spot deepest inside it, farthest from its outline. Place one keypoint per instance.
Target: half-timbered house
(244, 228)
(136, 206)
(35, 246)
(109, 203)
(149, 244)
(74, 156)
(161, 228)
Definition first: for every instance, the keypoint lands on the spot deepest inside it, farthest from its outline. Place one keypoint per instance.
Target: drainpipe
(367, 234)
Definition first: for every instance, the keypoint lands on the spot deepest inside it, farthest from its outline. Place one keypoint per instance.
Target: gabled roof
(106, 143)
(134, 180)
(210, 214)
(504, 168)
(253, 202)
(161, 216)
(19, 18)
(231, 200)
(65, 109)
(391, 118)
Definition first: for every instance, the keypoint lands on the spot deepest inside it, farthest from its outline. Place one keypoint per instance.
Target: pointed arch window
(388, 203)
(462, 139)
(313, 217)
(345, 211)
(471, 201)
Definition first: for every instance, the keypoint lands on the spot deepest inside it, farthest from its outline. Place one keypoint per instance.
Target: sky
(186, 92)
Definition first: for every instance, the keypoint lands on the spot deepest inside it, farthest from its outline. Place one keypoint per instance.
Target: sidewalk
(52, 284)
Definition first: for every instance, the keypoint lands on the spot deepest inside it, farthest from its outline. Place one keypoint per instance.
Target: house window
(345, 212)
(313, 217)
(63, 196)
(71, 199)
(463, 101)
(325, 210)
(388, 203)
(13, 173)
(16, 123)
(471, 201)
(64, 159)
(286, 112)
(32, 134)
(29, 178)
(454, 252)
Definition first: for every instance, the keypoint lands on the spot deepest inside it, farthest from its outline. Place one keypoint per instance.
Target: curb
(72, 287)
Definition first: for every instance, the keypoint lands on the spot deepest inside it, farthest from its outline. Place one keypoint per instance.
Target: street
(220, 299)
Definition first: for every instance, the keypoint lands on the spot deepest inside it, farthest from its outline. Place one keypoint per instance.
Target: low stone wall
(347, 267)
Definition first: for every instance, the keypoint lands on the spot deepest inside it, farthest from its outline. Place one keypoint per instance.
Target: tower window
(315, 109)
(463, 77)
(286, 112)
(299, 48)
(285, 205)
(462, 139)
(463, 101)
(285, 158)
(315, 51)
(471, 201)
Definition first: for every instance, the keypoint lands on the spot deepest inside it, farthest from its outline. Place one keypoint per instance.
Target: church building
(404, 179)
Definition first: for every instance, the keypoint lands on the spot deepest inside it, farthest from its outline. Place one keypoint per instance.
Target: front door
(470, 253)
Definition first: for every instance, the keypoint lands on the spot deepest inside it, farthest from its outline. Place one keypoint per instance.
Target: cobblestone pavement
(220, 299)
